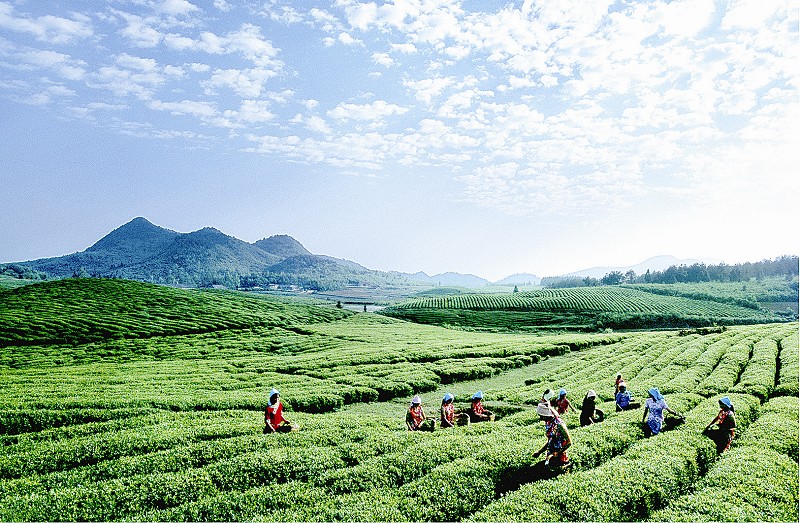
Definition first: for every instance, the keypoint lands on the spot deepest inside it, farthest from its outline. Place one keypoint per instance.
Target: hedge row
(768, 491)
(758, 377)
(628, 487)
(789, 376)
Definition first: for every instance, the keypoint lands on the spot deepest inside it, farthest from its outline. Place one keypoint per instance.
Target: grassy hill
(82, 310)
(581, 308)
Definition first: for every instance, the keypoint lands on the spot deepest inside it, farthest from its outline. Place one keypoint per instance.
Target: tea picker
(415, 417)
(558, 438)
(726, 421)
(274, 420)
(653, 416)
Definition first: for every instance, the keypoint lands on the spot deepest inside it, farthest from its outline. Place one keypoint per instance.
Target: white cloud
(428, 88)
(361, 15)
(222, 5)
(176, 7)
(140, 31)
(247, 83)
(63, 65)
(373, 111)
(317, 124)
(346, 39)
(190, 107)
(404, 48)
(252, 111)
(47, 28)
(382, 59)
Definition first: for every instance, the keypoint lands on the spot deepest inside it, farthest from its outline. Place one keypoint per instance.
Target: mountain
(520, 279)
(656, 263)
(282, 245)
(140, 250)
(450, 279)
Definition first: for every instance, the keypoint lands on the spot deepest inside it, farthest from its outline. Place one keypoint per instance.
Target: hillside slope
(82, 310)
(582, 308)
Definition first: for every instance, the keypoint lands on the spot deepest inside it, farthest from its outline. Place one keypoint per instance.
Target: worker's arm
(567, 438)
(539, 452)
(644, 416)
(716, 418)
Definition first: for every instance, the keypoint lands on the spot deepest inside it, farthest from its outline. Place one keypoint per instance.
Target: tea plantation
(128, 401)
(583, 308)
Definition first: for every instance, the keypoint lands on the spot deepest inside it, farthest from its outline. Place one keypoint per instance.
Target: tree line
(783, 266)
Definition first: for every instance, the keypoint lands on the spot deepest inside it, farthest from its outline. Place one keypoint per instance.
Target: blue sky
(474, 136)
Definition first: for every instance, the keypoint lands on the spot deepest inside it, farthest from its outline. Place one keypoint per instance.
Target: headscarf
(543, 409)
(447, 397)
(726, 403)
(477, 396)
(656, 395)
(591, 394)
(273, 392)
(562, 393)
(547, 395)
(416, 400)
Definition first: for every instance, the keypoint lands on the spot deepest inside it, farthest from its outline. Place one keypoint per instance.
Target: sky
(475, 136)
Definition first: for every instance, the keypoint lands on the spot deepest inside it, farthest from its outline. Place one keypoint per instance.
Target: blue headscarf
(478, 395)
(447, 397)
(726, 401)
(656, 395)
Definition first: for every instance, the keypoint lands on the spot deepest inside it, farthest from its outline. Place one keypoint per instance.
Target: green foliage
(585, 308)
(755, 481)
(79, 311)
(167, 427)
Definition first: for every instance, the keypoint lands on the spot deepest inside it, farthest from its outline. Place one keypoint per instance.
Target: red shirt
(562, 405)
(448, 412)
(274, 415)
(415, 417)
(477, 407)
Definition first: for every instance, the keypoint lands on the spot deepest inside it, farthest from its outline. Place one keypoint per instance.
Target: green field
(128, 401)
(582, 308)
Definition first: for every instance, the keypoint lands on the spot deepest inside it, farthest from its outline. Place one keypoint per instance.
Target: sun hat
(543, 409)
(416, 400)
(447, 397)
(656, 395)
(478, 395)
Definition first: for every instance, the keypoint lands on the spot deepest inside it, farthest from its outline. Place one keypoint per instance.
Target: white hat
(416, 399)
(591, 394)
(543, 409)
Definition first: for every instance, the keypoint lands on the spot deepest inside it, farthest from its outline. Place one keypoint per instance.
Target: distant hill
(520, 279)
(656, 263)
(582, 308)
(450, 279)
(282, 245)
(140, 250)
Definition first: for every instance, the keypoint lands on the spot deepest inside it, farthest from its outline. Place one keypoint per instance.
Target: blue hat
(656, 395)
(562, 393)
(726, 401)
(478, 395)
(447, 397)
